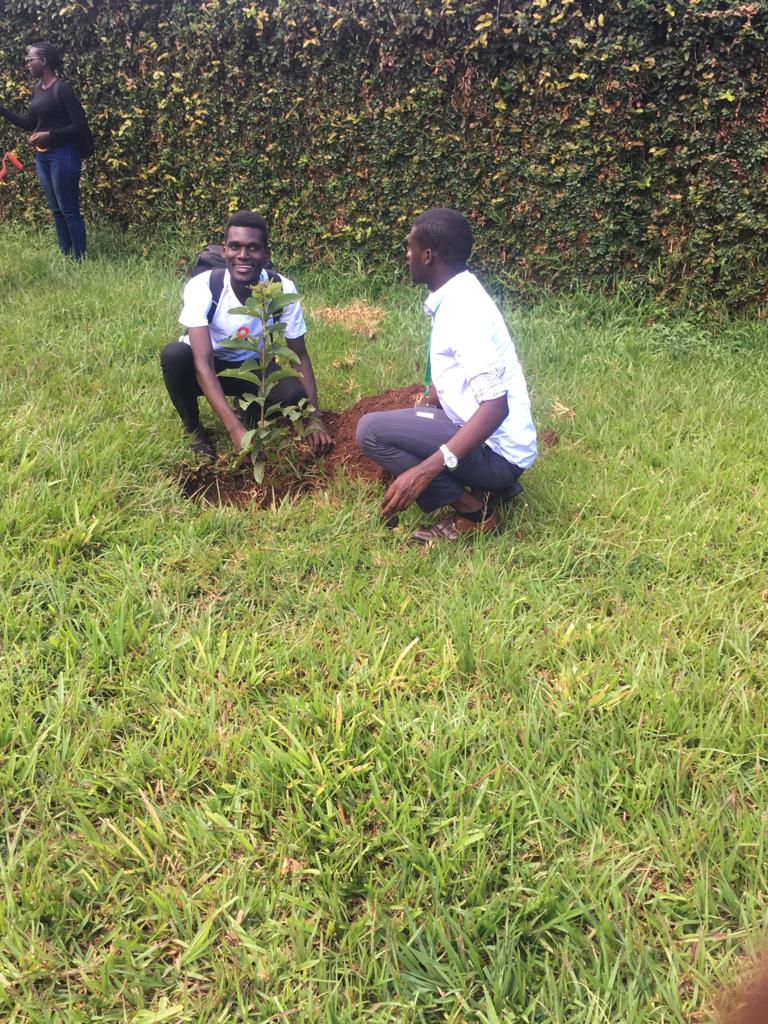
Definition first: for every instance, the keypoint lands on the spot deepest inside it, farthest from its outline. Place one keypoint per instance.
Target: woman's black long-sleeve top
(56, 110)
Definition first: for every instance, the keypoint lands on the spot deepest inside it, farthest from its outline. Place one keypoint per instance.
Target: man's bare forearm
(308, 381)
(305, 369)
(210, 385)
(486, 419)
(407, 487)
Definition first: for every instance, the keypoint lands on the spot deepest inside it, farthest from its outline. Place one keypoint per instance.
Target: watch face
(449, 458)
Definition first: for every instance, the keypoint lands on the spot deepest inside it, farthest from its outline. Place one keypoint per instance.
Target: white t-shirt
(197, 301)
(470, 340)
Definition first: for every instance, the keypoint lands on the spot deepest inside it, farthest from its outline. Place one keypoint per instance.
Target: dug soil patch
(345, 456)
(218, 484)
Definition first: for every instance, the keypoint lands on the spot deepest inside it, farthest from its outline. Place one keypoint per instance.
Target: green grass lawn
(282, 766)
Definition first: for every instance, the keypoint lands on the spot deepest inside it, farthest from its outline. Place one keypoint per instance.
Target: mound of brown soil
(219, 484)
(345, 456)
(549, 438)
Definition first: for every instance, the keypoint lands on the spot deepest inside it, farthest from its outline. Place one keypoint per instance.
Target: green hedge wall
(583, 139)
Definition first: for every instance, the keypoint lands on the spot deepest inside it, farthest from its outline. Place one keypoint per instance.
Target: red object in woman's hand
(14, 162)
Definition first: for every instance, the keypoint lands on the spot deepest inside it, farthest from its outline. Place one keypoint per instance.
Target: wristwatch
(449, 459)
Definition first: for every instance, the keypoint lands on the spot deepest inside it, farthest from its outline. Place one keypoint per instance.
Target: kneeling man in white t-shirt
(191, 365)
(467, 442)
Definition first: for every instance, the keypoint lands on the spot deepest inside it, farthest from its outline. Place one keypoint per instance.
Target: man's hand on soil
(403, 491)
(237, 434)
(320, 440)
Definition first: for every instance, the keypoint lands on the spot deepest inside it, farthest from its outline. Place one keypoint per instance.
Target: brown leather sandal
(454, 527)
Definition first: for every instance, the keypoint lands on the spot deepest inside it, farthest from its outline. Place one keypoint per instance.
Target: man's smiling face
(246, 254)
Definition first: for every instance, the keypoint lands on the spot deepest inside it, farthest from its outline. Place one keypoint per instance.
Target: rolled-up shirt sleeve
(488, 385)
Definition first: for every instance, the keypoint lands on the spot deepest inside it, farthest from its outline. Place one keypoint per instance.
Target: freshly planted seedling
(273, 360)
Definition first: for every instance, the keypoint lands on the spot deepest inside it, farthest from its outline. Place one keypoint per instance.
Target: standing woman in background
(60, 137)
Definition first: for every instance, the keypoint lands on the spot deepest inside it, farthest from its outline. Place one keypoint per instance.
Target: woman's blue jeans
(59, 173)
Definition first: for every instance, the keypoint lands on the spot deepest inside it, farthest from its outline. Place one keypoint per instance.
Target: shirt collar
(434, 299)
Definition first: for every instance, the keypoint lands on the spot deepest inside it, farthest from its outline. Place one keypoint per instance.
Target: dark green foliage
(583, 139)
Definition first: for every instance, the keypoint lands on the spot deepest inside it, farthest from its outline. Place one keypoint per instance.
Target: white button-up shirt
(473, 359)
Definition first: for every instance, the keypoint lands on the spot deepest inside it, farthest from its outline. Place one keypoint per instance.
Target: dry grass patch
(358, 317)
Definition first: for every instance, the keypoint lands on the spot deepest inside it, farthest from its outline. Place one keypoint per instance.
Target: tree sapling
(273, 361)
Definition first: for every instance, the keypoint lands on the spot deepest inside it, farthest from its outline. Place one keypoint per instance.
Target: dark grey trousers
(401, 439)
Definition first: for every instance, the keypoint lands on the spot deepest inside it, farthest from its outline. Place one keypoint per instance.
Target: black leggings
(181, 381)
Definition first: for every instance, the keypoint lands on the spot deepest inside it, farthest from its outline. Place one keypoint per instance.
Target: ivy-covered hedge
(583, 138)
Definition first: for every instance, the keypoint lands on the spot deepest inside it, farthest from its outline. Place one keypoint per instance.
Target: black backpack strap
(216, 286)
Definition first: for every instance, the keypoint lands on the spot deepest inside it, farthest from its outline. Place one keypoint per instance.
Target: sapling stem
(273, 361)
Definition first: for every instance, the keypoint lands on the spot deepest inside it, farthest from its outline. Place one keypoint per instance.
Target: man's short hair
(447, 232)
(247, 219)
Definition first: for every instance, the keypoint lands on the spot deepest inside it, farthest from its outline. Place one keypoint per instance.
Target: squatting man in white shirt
(191, 365)
(468, 440)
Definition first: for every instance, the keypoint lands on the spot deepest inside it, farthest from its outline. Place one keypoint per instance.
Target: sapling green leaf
(277, 376)
(276, 298)
(240, 374)
(281, 301)
(244, 344)
(283, 352)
